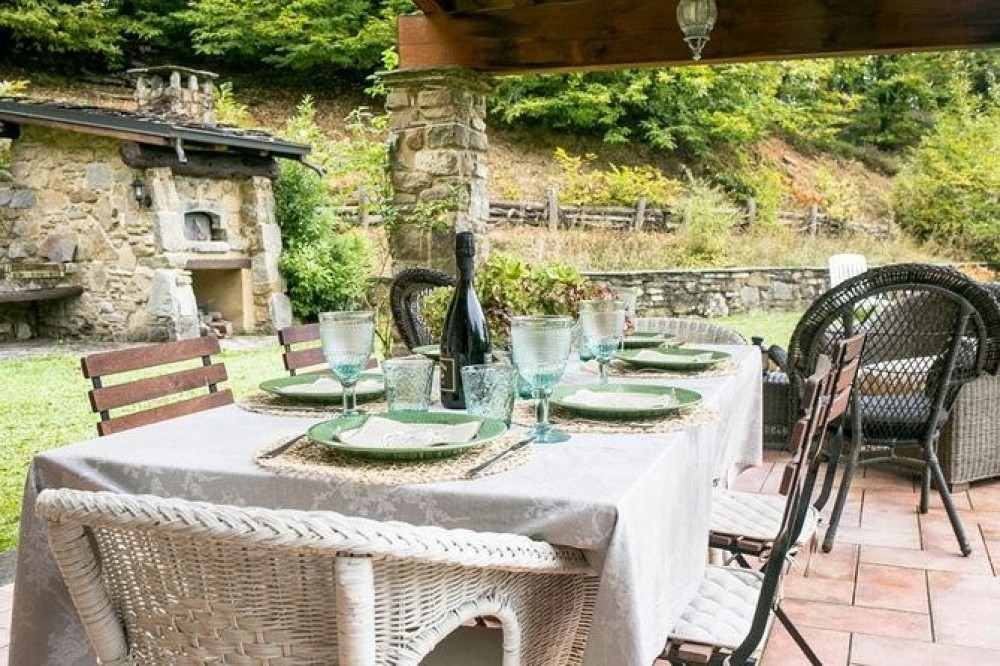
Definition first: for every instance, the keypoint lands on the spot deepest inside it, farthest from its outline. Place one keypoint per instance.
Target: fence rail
(552, 215)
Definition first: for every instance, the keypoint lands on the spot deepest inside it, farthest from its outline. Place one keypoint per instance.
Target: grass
(45, 407)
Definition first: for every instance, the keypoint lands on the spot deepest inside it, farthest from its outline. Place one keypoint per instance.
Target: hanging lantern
(696, 19)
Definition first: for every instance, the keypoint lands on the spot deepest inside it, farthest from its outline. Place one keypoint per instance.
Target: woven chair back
(406, 302)
(176, 384)
(691, 330)
(928, 331)
(162, 581)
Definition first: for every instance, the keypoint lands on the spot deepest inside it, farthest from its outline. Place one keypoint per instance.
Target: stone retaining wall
(720, 292)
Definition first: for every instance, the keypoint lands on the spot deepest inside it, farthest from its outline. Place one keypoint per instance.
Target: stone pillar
(437, 162)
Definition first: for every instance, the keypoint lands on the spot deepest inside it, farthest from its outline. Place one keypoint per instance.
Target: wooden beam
(610, 34)
(430, 6)
(222, 164)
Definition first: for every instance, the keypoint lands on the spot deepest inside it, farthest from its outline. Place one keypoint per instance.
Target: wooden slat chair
(729, 617)
(103, 399)
(302, 349)
(745, 524)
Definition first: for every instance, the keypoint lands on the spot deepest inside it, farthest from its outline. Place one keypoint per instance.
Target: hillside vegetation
(908, 141)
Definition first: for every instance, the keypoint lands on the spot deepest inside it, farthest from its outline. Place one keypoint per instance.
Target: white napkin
(588, 398)
(378, 432)
(653, 356)
(328, 385)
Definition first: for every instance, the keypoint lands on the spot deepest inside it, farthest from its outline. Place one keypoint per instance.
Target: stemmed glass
(603, 327)
(540, 347)
(347, 343)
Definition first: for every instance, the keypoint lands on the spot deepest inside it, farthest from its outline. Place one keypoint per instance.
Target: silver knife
(478, 469)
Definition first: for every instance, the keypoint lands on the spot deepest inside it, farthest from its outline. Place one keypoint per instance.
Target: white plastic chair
(164, 581)
(844, 266)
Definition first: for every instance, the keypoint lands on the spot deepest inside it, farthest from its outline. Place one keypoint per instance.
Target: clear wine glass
(603, 327)
(540, 347)
(347, 344)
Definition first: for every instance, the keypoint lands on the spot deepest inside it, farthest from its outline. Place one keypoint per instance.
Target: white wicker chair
(691, 330)
(167, 581)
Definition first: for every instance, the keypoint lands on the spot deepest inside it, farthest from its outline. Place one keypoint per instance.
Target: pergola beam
(608, 34)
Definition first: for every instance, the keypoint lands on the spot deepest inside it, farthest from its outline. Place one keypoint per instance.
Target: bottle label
(449, 381)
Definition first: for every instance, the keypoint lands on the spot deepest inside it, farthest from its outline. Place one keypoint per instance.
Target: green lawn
(44, 402)
(45, 406)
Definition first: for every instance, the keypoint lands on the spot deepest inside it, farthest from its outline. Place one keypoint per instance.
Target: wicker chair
(930, 331)
(969, 449)
(729, 617)
(406, 295)
(166, 581)
(691, 330)
(149, 391)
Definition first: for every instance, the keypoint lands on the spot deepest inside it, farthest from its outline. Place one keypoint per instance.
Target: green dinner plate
(676, 358)
(285, 388)
(430, 351)
(327, 434)
(643, 339)
(685, 398)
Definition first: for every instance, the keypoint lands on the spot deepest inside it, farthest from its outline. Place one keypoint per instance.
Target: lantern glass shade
(696, 19)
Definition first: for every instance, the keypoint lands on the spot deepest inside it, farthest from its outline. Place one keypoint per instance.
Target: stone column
(438, 163)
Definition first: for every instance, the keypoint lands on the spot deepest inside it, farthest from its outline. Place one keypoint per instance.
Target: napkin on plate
(653, 356)
(327, 385)
(588, 398)
(386, 433)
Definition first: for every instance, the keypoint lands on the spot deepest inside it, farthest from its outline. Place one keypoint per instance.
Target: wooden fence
(552, 215)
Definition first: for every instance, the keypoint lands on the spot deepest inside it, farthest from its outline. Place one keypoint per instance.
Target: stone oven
(143, 225)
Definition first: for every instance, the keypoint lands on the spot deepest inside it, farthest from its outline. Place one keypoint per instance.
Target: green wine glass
(347, 339)
(602, 325)
(540, 346)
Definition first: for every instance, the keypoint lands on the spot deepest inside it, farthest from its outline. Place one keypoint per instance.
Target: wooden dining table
(638, 504)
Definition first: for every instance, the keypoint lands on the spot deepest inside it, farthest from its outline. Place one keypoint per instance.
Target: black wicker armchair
(930, 332)
(406, 302)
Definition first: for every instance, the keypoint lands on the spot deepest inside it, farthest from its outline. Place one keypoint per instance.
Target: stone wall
(71, 205)
(720, 292)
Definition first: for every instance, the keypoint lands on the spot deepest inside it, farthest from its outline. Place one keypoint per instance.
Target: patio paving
(895, 589)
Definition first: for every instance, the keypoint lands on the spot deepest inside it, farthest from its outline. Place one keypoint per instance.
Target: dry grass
(616, 250)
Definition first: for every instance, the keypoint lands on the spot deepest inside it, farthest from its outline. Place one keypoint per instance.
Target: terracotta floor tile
(911, 498)
(772, 484)
(966, 609)
(915, 626)
(889, 517)
(993, 550)
(814, 588)
(884, 651)
(989, 524)
(841, 563)
(752, 479)
(879, 537)
(937, 560)
(894, 588)
(937, 534)
(832, 647)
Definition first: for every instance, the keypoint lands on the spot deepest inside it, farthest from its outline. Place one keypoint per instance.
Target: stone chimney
(174, 93)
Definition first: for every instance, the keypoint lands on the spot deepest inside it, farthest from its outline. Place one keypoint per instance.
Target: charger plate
(644, 339)
(369, 387)
(673, 358)
(327, 433)
(684, 398)
(430, 351)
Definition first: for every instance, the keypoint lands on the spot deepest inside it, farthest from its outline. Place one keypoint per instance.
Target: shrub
(508, 286)
(709, 221)
(326, 264)
(583, 184)
(948, 191)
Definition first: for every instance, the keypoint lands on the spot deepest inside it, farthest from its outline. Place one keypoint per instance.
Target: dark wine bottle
(465, 340)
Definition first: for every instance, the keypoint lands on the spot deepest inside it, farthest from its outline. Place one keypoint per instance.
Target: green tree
(948, 191)
(302, 35)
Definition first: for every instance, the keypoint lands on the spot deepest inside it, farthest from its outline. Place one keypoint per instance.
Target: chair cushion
(754, 515)
(721, 612)
(900, 417)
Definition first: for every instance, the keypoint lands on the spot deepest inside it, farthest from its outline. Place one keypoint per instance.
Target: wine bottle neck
(466, 268)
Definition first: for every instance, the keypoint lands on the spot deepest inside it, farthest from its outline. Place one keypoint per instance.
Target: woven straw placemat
(623, 369)
(692, 417)
(305, 458)
(275, 405)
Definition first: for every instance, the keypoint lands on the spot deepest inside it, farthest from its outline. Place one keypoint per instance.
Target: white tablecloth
(638, 504)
